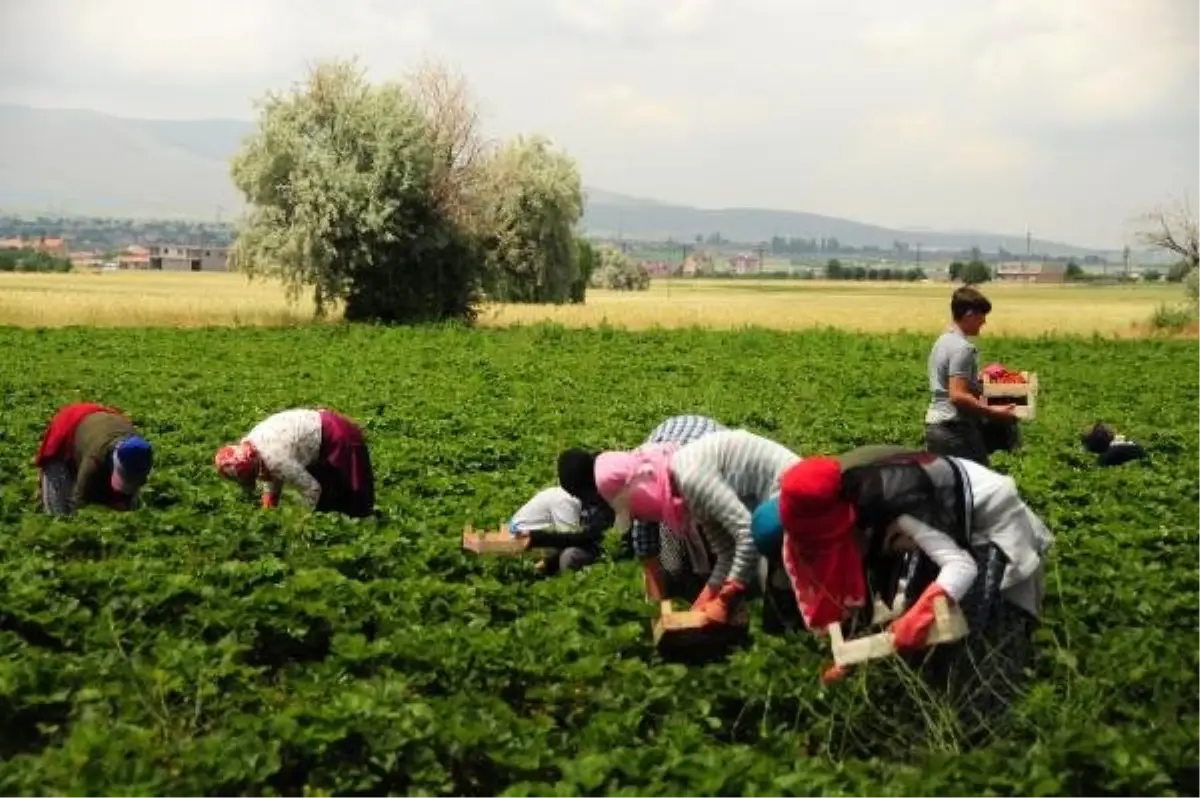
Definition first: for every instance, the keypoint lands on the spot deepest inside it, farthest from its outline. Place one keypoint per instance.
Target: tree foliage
(534, 198)
(615, 271)
(460, 151)
(387, 200)
(31, 260)
(974, 273)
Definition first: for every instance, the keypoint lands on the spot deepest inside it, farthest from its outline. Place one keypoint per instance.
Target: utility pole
(760, 249)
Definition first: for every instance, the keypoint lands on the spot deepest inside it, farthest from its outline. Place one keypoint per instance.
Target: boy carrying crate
(957, 411)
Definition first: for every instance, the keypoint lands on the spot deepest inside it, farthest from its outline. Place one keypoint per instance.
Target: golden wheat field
(187, 299)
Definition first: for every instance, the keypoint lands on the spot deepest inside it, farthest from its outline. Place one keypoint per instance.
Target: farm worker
(766, 529)
(707, 488)
(91, 454)
(553, 519)
(838, 523)
(319, 452)
(671, 564)
(956, 413)
(1110, 448)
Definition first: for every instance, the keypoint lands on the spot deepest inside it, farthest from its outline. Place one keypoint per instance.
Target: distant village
(106, 249)
(158, 257)
(748, 264)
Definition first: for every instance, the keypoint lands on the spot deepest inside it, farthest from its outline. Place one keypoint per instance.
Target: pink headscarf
(643, 476)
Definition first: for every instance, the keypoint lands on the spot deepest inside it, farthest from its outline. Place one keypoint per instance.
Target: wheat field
(191, 300)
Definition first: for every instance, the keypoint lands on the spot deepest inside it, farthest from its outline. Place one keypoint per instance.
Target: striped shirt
(645, 536)
(721, 478)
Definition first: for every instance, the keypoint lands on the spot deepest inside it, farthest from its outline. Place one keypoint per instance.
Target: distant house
(84, 259)
(181, 258)
(744, 263)
(51, 246)
(127, 261)
(1032, 272)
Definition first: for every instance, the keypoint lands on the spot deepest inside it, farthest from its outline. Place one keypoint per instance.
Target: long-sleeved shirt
(94, 440)
(555, 519)
(720, 477)
(646, 536)
(999, 516)
(287, 443)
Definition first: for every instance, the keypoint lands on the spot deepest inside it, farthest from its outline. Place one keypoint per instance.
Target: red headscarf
(239, 462)
(821, 557)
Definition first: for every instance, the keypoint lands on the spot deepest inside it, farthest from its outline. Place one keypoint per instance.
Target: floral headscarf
(239, 462)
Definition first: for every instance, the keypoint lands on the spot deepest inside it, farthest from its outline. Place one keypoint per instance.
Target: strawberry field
(204, 646)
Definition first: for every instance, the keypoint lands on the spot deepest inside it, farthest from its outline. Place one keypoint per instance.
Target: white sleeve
(958, 568)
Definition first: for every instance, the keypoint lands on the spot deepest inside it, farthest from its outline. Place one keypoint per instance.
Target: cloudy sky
(1070, 116)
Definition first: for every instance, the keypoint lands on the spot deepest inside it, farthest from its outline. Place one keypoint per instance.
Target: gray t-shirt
(953, 355)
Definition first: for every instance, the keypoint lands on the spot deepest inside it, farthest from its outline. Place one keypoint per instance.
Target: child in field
(1110, 447)
(553, 519)
(319, 452)
(956, 412)
(91, 454)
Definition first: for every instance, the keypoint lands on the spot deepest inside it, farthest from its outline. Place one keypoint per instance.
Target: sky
(1069, 117)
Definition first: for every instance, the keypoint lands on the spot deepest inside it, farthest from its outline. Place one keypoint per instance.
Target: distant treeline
(801, 250)
(28, 260)
(904, 251)
(108, 234)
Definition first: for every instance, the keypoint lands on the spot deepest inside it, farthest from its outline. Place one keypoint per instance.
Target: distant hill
(611, 214)
(81, 162)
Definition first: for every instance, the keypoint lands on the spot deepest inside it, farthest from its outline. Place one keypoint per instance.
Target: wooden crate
(672, 622)
(501, 542)
(949, 625)
(1024, 395)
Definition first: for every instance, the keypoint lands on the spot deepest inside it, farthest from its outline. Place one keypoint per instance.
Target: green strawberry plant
(200, 645)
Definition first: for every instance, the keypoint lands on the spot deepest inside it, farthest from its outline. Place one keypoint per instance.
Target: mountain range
(75, 162)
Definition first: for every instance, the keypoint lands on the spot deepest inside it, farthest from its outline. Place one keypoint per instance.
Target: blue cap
(766, 527)
(134, 456)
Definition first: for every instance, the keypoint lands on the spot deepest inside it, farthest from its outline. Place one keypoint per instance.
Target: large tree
(341, 179)
(533, 200)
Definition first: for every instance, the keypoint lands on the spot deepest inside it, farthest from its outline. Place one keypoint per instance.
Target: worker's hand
(834, 673)
(270, 500)
(910, 629)
(1004, 411)
(706, 595)
(728, 600)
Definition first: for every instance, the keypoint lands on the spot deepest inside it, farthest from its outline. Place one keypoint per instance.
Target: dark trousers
(959, 438)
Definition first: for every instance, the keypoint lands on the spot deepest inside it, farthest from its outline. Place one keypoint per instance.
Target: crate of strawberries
(1003, 386)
